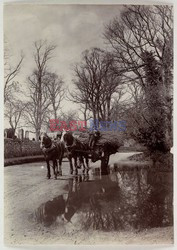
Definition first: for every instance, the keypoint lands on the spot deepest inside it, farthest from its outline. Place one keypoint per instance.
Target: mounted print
(88, 124)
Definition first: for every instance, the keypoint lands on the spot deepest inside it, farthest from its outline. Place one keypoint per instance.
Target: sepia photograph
(88, 124)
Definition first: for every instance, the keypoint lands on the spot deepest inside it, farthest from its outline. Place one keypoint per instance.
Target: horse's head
(41, 138)
(45, 140)
(58, 136)
(93, 137)
(43, 134)
(62, 135)
(68, 139)
(48, 212)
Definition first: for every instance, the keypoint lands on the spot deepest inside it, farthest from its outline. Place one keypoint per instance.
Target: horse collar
(70, 146)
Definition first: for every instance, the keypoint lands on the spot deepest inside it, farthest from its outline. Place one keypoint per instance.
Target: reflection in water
(48, 212)
(122, 200)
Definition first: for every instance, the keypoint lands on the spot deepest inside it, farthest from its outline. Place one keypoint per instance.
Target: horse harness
(48, 145)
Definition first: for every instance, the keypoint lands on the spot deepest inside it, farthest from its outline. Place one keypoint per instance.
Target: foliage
(142, 46)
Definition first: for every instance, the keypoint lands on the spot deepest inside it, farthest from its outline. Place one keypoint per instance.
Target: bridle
(69, 147)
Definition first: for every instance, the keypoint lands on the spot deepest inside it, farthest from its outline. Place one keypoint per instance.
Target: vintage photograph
(88, 124)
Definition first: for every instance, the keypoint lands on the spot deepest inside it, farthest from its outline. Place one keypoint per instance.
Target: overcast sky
(73, 28)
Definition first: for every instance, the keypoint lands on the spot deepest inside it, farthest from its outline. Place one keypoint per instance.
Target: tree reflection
(119, 201)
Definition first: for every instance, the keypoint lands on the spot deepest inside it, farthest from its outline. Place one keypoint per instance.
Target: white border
(105, 247)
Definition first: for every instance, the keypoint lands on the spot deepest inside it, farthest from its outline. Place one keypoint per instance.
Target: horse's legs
(79, 165)
(87, 163)
(48, 169)
(71, 164)
(60, 154)
(84, 168)
(60, 170)
(81, 162)
(54, 168)
(75, 165)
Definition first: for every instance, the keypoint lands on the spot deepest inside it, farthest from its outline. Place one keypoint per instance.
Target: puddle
(136, 198)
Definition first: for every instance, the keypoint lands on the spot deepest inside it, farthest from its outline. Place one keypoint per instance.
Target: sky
(72, 28)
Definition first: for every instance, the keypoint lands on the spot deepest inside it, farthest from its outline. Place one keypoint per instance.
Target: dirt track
(26, 188)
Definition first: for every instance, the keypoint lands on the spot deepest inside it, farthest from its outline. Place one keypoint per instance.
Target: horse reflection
(48, 212)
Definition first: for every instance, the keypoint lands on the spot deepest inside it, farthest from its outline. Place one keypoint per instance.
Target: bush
(18, 148)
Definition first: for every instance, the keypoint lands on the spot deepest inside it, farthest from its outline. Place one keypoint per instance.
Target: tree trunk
(37, 134)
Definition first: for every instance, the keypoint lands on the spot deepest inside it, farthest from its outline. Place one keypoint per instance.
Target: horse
(52, 151)
(75, 149)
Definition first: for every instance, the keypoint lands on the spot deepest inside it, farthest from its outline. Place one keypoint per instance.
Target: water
(132, 199)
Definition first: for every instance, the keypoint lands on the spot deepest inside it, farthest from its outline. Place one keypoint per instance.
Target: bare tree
(54, 85)
(118, 106)
(10, 73)
(39, 98)
(95, 83)
(85, 112)
(14, 111)
(141, 28)
(69, 116)
(142, 31)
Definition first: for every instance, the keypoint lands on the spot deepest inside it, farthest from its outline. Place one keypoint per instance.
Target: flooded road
(123, 200)
(128, 205)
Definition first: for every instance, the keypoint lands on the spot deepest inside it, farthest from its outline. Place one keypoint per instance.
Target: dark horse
(76, 150)
(52, 151)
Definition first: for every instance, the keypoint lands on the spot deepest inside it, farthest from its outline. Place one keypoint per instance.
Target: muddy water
(133, 199)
